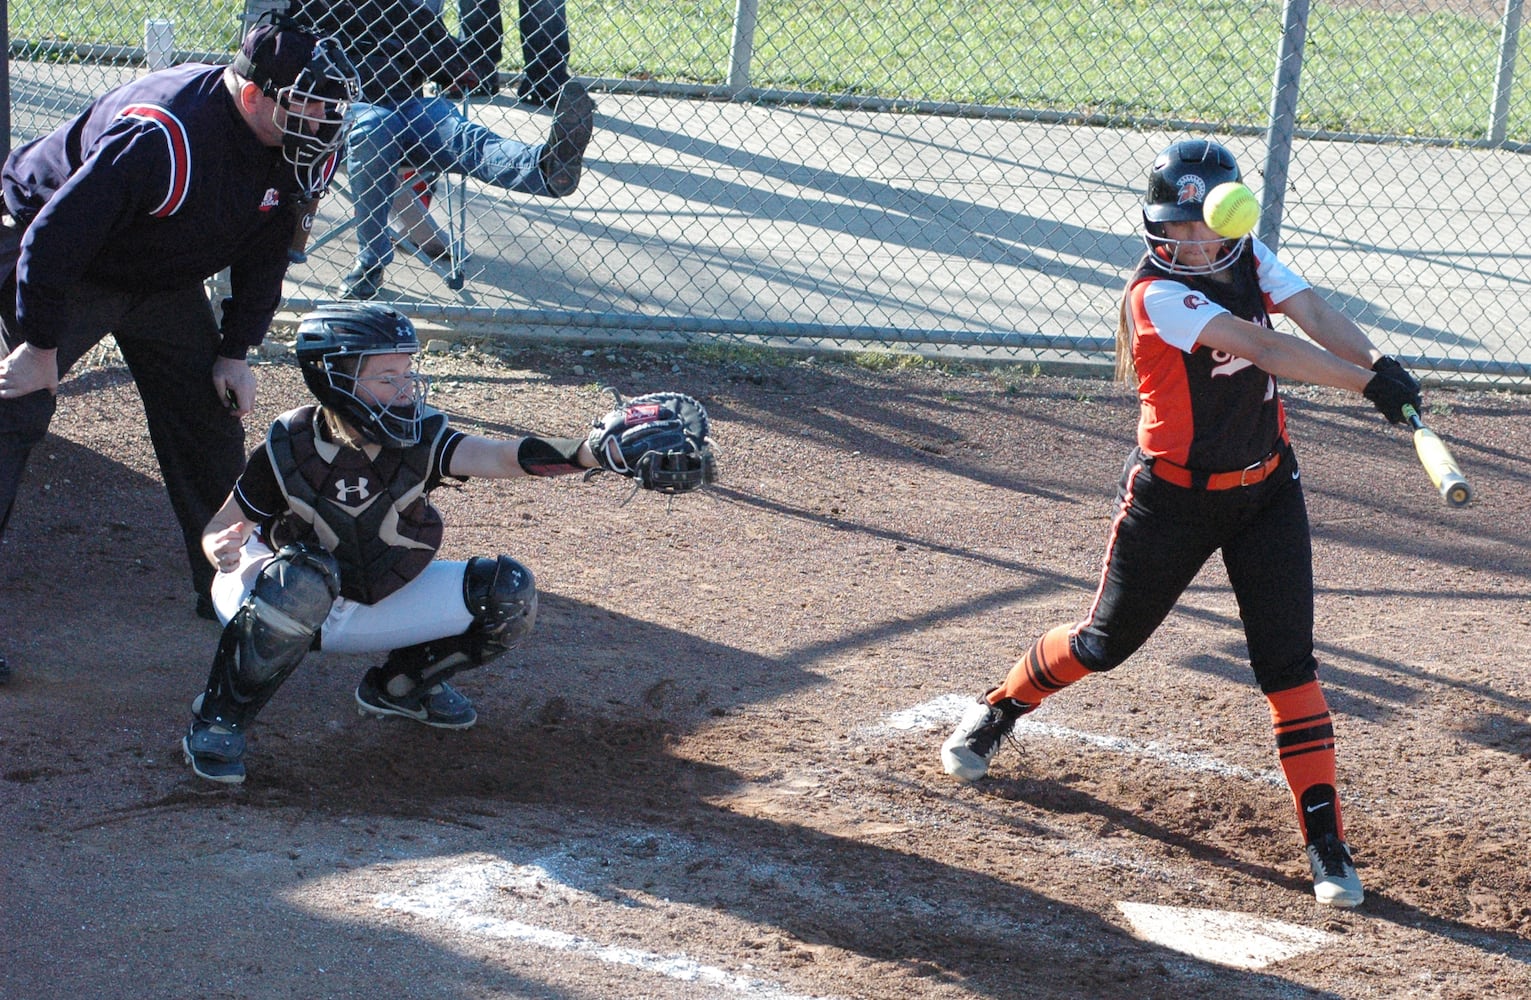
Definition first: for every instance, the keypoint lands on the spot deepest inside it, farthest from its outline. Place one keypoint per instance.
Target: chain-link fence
(957, 176)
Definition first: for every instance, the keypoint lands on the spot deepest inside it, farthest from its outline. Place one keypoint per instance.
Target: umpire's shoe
(215, 752)
(563, 156)
(968, 750)
(441, 705)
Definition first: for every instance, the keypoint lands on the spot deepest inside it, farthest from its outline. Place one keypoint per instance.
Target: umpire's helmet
(1178, 184)
(332, 341)
(313, 83)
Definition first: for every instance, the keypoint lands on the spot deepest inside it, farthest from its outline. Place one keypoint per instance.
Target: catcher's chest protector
(372, 513)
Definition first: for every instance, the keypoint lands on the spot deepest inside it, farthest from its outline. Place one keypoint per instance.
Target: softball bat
(1439, 465)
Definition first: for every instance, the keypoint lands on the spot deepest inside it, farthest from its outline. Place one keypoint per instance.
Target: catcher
(328, 540)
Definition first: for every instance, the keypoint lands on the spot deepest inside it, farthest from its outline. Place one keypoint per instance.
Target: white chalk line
(947, 709)
(1238, 940)
(454, 899)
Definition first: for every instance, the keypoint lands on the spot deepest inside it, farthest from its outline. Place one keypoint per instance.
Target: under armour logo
(343, 491)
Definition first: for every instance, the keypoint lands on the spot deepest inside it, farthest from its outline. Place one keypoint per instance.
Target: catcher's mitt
(660, 441)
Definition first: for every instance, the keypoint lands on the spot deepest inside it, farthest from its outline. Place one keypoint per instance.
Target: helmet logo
(1192, 189)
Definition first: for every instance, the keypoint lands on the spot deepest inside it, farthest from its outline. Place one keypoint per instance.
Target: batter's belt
(1193, 479)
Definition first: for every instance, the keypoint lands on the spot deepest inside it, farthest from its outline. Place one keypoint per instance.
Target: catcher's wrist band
(549, 456)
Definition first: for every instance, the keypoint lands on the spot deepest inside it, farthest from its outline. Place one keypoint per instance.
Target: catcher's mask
(1178, 183)
(313, 85)
(332, 342)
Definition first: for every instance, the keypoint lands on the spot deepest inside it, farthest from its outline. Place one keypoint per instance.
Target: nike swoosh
(1295, 473)
(1314, 809)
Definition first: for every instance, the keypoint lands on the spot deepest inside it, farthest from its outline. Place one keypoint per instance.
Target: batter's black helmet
(333, 340)
(1178, 184)
(1182, 175)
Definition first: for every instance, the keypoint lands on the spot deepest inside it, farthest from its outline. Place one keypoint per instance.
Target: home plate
(1240, 940)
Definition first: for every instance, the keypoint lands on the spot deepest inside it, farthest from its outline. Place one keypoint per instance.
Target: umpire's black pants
(1161, 537)
(169, 340)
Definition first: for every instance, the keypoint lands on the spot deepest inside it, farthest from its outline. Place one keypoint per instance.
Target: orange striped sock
(1305, 744)
(1048, 668)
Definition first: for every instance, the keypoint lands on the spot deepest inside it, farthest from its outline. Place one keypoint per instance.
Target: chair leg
(457, 224)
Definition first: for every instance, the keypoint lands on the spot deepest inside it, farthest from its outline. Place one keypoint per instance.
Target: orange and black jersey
(1199, 408)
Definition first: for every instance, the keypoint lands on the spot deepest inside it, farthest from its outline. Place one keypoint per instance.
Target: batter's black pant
(1161, 537)
(169, 341)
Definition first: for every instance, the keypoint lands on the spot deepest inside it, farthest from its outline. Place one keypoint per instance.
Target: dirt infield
(713, 769)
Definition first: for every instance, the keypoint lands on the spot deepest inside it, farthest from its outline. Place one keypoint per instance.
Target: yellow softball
(1231, 209)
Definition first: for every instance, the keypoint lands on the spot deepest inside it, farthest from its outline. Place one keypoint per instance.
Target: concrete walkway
(815, 225)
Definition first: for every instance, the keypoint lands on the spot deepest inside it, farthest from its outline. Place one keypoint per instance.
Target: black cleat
(1335, 882)
(564, 154)
(362, 282)
(968, 750)
(441, 706)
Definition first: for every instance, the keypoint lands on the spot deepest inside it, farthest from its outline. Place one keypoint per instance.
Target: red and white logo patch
(642, 413)
(1192, 188)
(271, 200)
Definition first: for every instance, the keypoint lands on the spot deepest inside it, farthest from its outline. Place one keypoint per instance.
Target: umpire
(114, 221)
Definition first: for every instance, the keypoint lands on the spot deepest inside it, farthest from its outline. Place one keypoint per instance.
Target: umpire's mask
(313, 84)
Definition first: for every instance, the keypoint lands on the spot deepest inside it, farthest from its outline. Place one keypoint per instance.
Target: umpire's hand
(28, 369)
(235, 384)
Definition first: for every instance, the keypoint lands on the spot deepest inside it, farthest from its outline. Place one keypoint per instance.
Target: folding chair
(411, 225)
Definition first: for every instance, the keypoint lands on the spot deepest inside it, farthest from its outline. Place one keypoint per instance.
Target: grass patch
(1363, 69)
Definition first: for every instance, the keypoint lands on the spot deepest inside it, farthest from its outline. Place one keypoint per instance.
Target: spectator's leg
(483, 41)
(544, 28)
(375, 148)
(461, 146)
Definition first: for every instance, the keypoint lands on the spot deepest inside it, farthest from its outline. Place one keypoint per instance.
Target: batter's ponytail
(1126, 369)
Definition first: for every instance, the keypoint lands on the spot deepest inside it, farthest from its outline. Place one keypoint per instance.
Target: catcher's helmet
(1178, 183)
(313, 84)
(332, 341)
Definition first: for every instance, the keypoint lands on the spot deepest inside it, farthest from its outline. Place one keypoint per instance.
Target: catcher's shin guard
(502, 595)
(270, 634)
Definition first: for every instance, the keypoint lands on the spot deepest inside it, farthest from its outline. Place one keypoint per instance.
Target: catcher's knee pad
(271, 633)
(502, 596)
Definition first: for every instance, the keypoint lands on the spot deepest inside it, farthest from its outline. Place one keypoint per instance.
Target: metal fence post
(1283, 123)
(742, 49)
(159, 43)
(5, 79)
(1504, 74)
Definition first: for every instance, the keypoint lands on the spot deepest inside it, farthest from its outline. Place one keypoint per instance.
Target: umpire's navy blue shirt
(157, 185)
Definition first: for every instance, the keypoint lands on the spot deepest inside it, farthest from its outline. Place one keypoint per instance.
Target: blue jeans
(427, 133)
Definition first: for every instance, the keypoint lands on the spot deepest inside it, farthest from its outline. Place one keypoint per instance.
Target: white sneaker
(968, 750)
(1335, 882)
